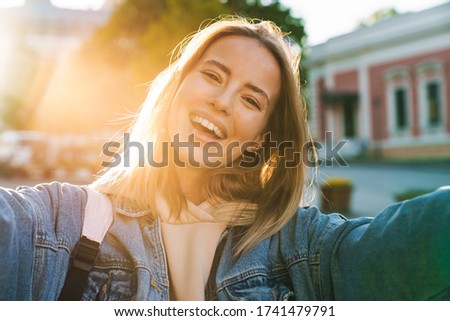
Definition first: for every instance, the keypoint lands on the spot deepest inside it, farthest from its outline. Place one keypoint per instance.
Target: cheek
(248, 127)
(191, 88)
(178, 107)
(188, 94)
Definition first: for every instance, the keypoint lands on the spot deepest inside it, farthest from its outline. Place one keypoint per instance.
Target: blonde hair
(262, 198)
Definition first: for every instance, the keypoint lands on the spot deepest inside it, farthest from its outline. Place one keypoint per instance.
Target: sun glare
(79, 4)
(11, 3)
(68, 4)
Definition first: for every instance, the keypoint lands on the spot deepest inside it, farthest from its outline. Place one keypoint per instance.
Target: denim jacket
(401, 254)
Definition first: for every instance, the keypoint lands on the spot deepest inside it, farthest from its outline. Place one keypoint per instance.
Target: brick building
(386, 88)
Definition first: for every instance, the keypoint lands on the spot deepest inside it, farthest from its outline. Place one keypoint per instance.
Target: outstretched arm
(39, 227)
(403, 254)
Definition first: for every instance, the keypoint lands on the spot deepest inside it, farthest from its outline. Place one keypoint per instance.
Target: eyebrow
(219, 65)
(258, 90)
(227, 71)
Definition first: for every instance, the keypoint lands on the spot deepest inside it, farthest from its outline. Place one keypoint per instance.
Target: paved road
(376, 184)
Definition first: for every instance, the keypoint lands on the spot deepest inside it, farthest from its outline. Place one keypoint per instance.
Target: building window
(349, 110)
(433, 103)
(398, 102)
(401, 108)
(431, 96)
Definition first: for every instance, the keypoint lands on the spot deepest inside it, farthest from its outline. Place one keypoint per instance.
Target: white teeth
(207, 124)
(218, 132)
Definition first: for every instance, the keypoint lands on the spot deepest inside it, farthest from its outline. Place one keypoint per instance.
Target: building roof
(401, 28)
(40, 12)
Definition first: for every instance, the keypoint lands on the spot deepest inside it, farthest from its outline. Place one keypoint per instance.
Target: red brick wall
(378, 91)
(321, 121)
(346, 81)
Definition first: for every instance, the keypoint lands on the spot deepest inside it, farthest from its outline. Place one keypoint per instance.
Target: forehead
(248, 59)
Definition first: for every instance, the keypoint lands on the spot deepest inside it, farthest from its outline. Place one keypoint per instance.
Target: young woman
(204, 199)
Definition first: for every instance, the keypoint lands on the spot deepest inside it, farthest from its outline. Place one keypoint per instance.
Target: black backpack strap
(81, 263)
(97, 220)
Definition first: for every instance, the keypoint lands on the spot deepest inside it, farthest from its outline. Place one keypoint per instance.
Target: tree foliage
(140, 35)
(276, 12)
(136, 44)
(377, 16)
(273, 11)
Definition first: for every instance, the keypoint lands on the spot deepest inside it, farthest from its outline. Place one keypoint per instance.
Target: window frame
(427, 72)
(398, 78)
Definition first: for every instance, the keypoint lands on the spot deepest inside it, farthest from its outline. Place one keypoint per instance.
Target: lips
(208, 126)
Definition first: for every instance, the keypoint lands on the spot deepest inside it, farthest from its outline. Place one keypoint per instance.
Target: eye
(252, 102)
(212, 76)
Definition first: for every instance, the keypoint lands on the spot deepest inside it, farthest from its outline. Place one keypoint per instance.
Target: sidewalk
(375, 185)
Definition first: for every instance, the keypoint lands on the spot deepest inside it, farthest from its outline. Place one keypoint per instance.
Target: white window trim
(431, 71)
(396, 78)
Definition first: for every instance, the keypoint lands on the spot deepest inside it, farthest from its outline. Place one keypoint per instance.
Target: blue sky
(323, 18)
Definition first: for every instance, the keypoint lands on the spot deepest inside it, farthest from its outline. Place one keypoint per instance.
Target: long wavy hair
(262, 197)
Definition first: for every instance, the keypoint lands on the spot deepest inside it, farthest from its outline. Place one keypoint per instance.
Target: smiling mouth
(207, 127)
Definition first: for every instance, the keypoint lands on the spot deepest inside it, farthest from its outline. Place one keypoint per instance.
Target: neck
(191, 182)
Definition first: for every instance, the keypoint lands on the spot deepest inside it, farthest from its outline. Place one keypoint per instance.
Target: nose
(222, 101)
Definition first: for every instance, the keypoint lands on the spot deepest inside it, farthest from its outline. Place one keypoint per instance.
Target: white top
(190, 243)
(98, 215)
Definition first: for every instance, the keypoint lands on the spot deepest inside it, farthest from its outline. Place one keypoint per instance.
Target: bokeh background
(72, 72)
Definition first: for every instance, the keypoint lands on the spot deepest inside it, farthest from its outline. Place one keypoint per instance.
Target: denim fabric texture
(401, 254)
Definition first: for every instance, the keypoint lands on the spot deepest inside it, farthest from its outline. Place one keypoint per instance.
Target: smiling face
(226, 99)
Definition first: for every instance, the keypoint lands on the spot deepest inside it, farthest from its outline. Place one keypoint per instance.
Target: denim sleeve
(402, 254)
(39, 227)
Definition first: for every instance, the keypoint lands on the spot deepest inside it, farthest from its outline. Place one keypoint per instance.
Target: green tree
(377, 16)
(273, 11)
(141, 33)
(276, 12)
(135, 45)
(124, 55)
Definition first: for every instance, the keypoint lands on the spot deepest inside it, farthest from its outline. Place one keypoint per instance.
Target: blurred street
(375, 185)
(15, 182)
